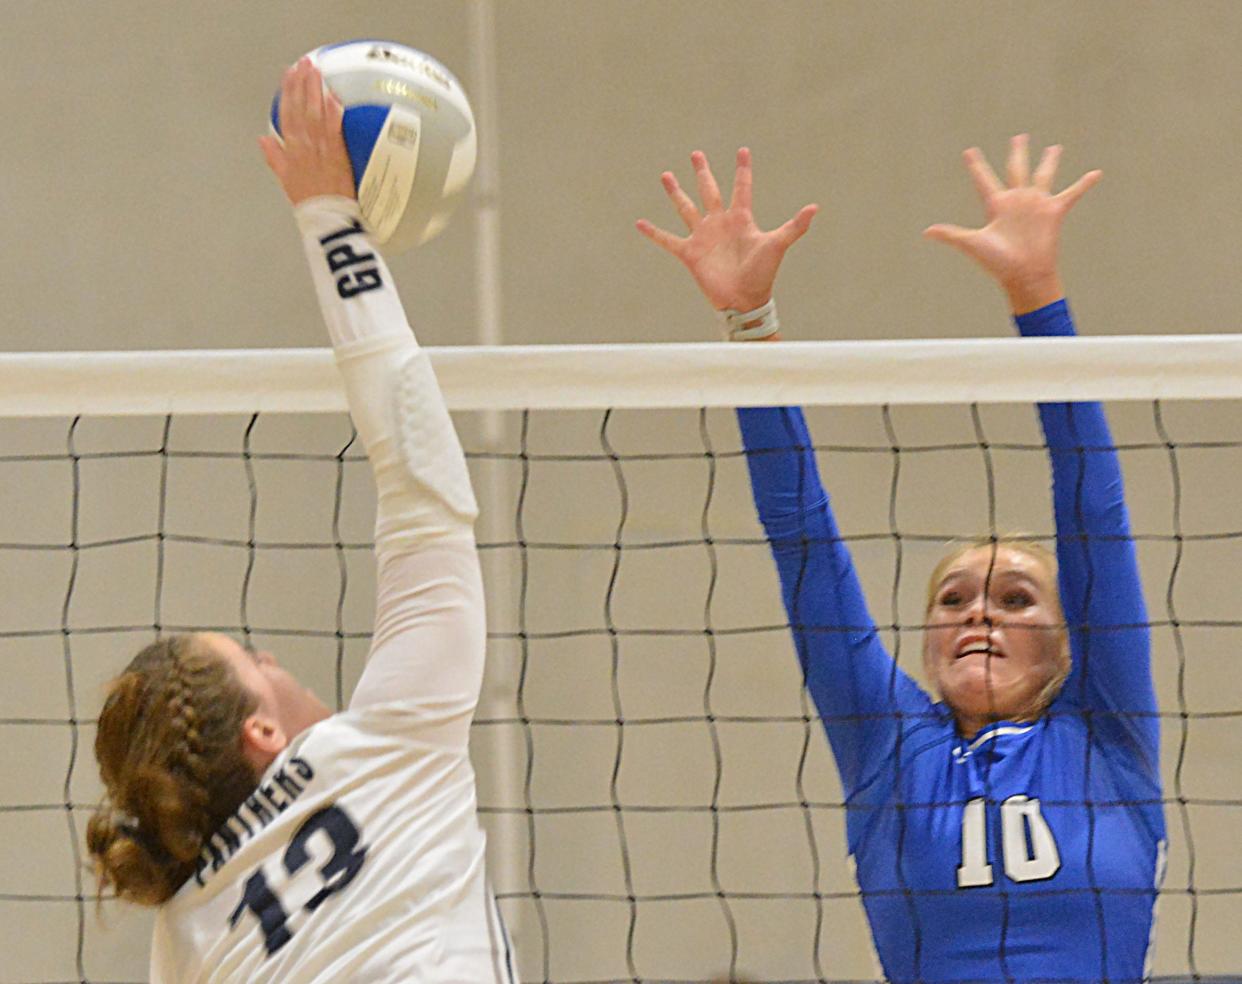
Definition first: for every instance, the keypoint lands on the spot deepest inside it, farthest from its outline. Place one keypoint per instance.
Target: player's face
(994, 638)
(281, 697)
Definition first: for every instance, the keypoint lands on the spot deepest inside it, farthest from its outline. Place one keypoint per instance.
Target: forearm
(780, 457)
(429, 637)
(1087, 482)
(352, 281)
(861, 694)
(817, 573)
(421, 479)
(1101, 588)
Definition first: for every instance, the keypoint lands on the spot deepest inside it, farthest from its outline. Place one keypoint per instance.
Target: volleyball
(410, 134)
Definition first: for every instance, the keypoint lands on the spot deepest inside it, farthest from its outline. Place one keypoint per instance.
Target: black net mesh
(660, 800)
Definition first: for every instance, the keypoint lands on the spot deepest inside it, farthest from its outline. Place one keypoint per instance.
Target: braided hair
(169, 747)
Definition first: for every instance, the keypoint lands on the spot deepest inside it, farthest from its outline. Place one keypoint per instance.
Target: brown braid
(169, 747)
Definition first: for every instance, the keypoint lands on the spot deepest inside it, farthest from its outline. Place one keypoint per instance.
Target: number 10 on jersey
(1027, 845)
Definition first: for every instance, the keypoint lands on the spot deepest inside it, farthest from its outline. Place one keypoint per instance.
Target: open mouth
(972, 648)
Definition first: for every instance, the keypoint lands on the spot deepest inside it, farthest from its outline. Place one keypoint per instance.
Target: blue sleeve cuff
(1052, 320)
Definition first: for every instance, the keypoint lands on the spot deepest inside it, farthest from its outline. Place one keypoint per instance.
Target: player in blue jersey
(1009, 826)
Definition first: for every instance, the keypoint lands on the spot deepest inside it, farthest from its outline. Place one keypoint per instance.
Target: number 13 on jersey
(336, 872)
(1027, 845)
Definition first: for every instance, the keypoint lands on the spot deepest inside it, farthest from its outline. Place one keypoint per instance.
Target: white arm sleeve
(429, 622)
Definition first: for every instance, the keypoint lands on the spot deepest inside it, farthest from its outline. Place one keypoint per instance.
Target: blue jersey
(1034, 851)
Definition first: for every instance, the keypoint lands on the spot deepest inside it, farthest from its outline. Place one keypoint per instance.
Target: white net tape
(564, 377)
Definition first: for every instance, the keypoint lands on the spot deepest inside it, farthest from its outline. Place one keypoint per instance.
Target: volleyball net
(659, 796)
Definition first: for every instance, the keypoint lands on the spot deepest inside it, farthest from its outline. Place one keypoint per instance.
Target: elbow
(789, 515)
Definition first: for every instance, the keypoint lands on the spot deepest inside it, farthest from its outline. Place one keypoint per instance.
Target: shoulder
(921, 747)
(393, 727)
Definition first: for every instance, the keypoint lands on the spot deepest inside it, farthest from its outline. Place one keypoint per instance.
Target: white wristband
(735, 322)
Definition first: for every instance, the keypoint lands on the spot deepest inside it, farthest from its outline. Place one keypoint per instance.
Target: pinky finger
(665, 240)
(1079, 188)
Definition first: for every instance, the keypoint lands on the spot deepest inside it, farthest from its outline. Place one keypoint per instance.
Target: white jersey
(359, 856)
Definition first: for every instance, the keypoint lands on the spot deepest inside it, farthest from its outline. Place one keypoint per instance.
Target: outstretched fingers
(681, 201)
(1046, 172)
(743, 181)
(665, 240)
(985, 180)
(1018, 167)
(709, 191)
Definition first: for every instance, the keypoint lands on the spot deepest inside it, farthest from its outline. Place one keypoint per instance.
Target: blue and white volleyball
(410, 134)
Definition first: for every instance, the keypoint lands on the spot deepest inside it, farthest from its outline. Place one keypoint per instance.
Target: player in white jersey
(281, 842)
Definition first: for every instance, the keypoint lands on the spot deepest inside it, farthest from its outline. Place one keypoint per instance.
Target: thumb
(796, 228)
(952, 235)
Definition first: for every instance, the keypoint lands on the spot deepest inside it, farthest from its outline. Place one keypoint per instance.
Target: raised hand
(1018, 245)
(731, 259)
(311, 159)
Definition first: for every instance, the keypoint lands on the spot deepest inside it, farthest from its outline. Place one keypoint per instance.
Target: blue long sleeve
(862, 696)
(1101, 592)
(859, 691)
(924, 804)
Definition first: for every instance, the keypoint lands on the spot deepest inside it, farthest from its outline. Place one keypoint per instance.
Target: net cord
(566, 377)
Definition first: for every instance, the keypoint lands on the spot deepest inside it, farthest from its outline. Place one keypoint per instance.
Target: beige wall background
(139, 215)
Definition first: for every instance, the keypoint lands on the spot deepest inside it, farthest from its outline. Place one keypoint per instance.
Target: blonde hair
(1022, 543)
(169, 747)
